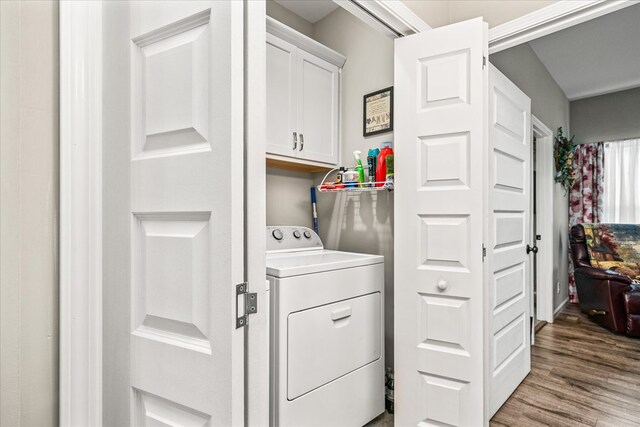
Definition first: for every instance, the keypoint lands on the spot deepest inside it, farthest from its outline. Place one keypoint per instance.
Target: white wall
(435, 12)
(29, 213)
(610, 117)
(438, 12)
(494, 12)
(360, 223)
(549, 104)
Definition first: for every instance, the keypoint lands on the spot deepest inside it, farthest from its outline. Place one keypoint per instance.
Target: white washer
(326, 332)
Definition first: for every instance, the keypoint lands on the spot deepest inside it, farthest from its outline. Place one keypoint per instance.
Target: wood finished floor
(581, 375)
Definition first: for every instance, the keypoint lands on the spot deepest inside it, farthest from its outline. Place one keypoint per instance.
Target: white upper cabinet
(303, 98)
(281, 97)
(318, 108)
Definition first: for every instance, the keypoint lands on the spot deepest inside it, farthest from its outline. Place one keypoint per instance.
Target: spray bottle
(359, 167)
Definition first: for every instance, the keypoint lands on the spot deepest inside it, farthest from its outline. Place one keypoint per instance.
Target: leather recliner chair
(609, 298)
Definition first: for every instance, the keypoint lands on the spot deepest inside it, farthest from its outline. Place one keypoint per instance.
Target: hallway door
(173, 213)
(508, 238)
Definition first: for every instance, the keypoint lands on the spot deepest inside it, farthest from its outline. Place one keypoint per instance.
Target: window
(622, 182)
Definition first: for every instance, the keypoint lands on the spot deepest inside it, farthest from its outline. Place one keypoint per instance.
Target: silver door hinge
(484, 252)
(246, 304)
(484, 61)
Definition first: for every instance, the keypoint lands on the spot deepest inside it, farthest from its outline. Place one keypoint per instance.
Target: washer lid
(297, 263)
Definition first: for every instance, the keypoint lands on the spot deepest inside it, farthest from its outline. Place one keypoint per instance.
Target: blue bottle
(372, 161)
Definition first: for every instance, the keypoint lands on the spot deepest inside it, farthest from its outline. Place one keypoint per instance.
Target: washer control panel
(291, 238)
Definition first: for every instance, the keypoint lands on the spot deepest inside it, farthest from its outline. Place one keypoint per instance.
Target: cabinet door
(318, 108)
(281, 97)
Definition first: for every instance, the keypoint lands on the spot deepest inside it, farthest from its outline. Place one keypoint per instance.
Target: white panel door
(186, 213)
(441, 153)
(509, 232)
(282, 135)
(318, 108)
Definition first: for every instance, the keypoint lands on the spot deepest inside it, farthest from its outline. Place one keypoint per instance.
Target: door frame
(81, 178)
(80, 213)
(545, 186)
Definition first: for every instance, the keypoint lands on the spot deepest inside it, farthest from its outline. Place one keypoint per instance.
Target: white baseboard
(561, 307)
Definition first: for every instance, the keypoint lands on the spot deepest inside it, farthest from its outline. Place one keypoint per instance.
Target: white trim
(80, 213)
(561, 307)
(392, 18)
(305, 43)
(395, 14)
(257, 349)
(544, 219)
(555, 17)
(547, 20)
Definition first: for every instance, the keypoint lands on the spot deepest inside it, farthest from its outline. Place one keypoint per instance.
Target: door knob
(442, 284)
(533, 249)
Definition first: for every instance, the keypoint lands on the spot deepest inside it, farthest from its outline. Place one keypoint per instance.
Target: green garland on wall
(563, 150)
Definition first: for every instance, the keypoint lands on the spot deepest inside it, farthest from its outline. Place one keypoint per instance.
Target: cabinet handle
(301, 142)
(295, 140)
(341, 313)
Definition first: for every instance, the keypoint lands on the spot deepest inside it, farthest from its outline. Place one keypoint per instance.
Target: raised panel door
(318, 108)
(186, 233)
(281, 112)
(440, 153)
(509, 232)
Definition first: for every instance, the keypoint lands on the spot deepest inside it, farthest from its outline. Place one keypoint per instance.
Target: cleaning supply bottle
(372, 157)
(388, 182)
(340, 178)
(381, 171)
(359, 167)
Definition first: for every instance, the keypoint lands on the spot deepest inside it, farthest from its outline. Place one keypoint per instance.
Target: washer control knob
(442, 284)
(296, 234)
(307, 234)
(277, 234)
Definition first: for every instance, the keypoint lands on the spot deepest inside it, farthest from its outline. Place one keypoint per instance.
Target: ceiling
(310, 10)
(596, 57)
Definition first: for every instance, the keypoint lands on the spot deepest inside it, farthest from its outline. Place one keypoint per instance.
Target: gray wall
(608, 117)
(289, 198)
(549, 104)
(29, 213)
(360, 223)
(289, 18)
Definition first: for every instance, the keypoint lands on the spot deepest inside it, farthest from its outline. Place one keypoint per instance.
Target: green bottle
(359, 167)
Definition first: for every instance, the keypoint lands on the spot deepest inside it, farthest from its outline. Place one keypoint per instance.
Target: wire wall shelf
(358, 188)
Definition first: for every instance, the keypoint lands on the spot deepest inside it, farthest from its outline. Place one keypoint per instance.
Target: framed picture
(378, 112)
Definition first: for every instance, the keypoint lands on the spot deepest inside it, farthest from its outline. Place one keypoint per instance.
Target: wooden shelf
(296, 166)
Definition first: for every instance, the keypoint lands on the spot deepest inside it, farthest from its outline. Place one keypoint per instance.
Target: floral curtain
(586, 197)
